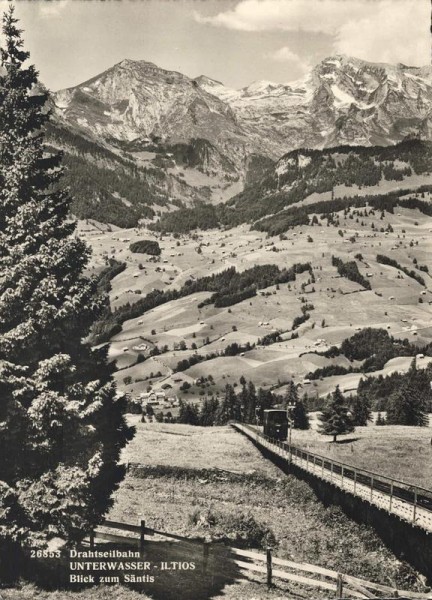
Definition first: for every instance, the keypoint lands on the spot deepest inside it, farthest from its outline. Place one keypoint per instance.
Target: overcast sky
(233, 41)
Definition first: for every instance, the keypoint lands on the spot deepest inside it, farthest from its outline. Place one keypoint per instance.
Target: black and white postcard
(215, 299)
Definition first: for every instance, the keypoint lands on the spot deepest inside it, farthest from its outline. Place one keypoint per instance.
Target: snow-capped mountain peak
(342, 100)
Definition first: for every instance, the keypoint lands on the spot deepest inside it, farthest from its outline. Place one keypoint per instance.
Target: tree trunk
(334, 437)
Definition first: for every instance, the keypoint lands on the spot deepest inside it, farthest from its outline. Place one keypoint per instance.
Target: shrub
(240, 528)
(145, 247)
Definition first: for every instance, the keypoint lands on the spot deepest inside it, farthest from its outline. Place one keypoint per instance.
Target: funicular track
(410, 503)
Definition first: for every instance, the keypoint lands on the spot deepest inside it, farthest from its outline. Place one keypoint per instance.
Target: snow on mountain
(216, 88)
(137, 100)
(342, 100)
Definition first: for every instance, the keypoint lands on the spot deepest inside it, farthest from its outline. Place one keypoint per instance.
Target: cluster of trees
(362, 166)
(341, 415)
(227, 287)
(270, 338)
(395, 174)
(201, 216)
(297, 321)
(329, 371)
(416, 203)
(408, 397)
(373, 346)
(231, 350)
(256, 168)
(105, 277)
(247, 406)
(386, 260)
(234, 349)
(98, 190)
(389, 393)
(278, 223)
(408, 406)
(62, 423)
(146, 247)
(186, 363)
(351, 271)
(233, 287)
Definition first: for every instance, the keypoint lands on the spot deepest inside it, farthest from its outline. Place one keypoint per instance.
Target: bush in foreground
(239, 528)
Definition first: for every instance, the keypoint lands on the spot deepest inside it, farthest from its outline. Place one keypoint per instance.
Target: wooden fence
(326, 579)
(408, 502)
(141, 531)
(319, 577)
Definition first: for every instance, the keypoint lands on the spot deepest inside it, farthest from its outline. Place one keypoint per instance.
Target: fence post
(391, 496)
(92, 538)
(372, 484)
(205, 556)
(415, 505)
(142, 534)
(269, 567)
(339, 586)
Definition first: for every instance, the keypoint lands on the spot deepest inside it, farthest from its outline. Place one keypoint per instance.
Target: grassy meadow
(396, 302)
(207, 482)
(397, 451)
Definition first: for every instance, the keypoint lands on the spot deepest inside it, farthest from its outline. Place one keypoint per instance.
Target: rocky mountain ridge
(342, 100)
(199, 140)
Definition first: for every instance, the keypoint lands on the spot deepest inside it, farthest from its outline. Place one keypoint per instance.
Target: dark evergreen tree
(251, 404)
(208, 412)
(62, 425)
(188, 414)
(237, 409)
(149, 410)
(361, 410)
(407, 406)
(299, 416)
(291, 396)
(334, 418)
(229, 407)
(265, 400)
(243, 399)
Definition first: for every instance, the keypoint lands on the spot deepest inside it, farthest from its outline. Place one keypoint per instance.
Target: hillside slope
(193, 139)
(304, 182)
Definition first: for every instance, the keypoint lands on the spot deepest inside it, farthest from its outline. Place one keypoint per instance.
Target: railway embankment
(400, 513)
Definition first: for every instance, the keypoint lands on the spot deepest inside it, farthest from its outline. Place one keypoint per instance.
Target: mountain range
(195, 139)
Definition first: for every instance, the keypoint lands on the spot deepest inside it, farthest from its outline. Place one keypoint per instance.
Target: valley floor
(339, 307)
